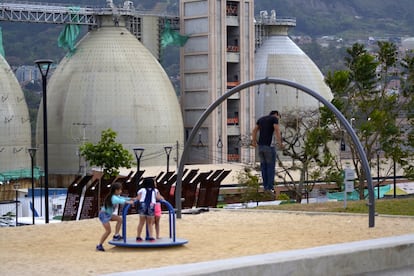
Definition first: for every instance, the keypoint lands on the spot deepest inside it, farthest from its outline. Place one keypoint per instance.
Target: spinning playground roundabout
(163, 242)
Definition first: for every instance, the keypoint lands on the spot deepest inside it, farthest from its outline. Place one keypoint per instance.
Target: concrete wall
(385, 256)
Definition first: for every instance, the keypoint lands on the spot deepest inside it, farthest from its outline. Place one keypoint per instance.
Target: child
(106, 213)
(147, 197)
(157, 213)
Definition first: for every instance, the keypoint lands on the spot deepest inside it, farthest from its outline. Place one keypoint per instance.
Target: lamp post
(168, 151)
(395, 177)
(44, 66)
(138, 154)
(41, 193)
(32, 152)
(378, 168)
(378, 173)
(16, 188)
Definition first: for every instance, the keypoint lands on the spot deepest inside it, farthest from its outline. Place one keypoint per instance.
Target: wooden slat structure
(210, 188)
(73, 197)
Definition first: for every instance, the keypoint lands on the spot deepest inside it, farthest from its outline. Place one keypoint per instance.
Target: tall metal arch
(338, 114)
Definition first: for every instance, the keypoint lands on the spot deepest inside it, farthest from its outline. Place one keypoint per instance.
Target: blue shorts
(104, 217)
(144, 210)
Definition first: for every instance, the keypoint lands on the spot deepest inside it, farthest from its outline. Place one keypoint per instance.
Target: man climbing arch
(266, 126)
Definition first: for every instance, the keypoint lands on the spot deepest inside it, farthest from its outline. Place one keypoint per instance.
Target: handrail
(171, 214)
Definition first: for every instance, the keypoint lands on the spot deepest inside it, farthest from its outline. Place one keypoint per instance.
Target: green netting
(67, 38)
(21, 173)
(355, 194)
(1, 44)
(171, 37)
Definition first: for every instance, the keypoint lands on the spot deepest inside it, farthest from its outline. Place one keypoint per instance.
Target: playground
(68, 248)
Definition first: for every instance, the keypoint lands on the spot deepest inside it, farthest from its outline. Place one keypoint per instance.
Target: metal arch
(344, 121)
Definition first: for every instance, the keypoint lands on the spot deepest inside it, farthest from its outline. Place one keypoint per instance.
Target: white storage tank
(111, 81)
(279, 57)
(15, 136)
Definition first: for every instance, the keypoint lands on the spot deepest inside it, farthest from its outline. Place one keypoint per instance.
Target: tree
(307, 145)
(107, 154)
(251, 187)
(380, 113)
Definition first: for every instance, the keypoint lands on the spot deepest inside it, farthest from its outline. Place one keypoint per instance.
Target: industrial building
(229, 46)
(218, 56)
(113, 80)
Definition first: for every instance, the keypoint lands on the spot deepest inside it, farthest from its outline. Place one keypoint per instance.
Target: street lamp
(138, 154)
(44, 66)
(378, 169)
(16, 188)
(32, 152)
(168, 151)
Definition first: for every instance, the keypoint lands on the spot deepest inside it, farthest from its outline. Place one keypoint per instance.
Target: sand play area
(68, 248)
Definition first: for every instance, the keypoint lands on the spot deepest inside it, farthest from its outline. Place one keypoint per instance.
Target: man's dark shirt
(266, 129)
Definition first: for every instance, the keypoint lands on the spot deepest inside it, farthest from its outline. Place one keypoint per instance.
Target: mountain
(348, 18)
(353, 19)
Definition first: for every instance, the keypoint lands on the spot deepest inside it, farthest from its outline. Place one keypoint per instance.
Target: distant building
(218, 56)
(228, 46)
(26, 73)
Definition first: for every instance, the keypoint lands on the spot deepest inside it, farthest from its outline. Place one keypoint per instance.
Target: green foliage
(283, 196)
(107, 154)
(362, 94)
(400, 206)
(306, 143)
(250, 185)
(326, 58)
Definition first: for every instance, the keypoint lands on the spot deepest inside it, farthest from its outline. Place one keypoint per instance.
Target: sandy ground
(68, 248)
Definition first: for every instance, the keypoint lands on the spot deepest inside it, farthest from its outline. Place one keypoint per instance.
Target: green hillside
(351, 19)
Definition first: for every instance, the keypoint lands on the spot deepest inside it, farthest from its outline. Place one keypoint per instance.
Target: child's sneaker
(99, 247)
(117, 237)
(139, 239)
(151, 239)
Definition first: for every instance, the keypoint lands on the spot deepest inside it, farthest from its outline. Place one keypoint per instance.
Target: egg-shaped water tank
(279, 57)
(111, 81)
(15, 136)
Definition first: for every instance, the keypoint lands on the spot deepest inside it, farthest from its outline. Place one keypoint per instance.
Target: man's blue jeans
(267, 157)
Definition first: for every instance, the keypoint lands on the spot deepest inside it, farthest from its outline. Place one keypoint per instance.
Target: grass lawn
(399, 206)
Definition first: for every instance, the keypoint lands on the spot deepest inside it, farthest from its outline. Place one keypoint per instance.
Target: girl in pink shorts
(157, 213)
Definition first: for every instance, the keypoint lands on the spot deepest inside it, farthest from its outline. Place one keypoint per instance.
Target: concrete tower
(14, 122)
(278, 56)
(111, 81)
(217, 57)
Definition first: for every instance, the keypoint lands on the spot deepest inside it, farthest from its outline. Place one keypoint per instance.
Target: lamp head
(138, 152)
(44, 66)
(167, 149)
(32, 152)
